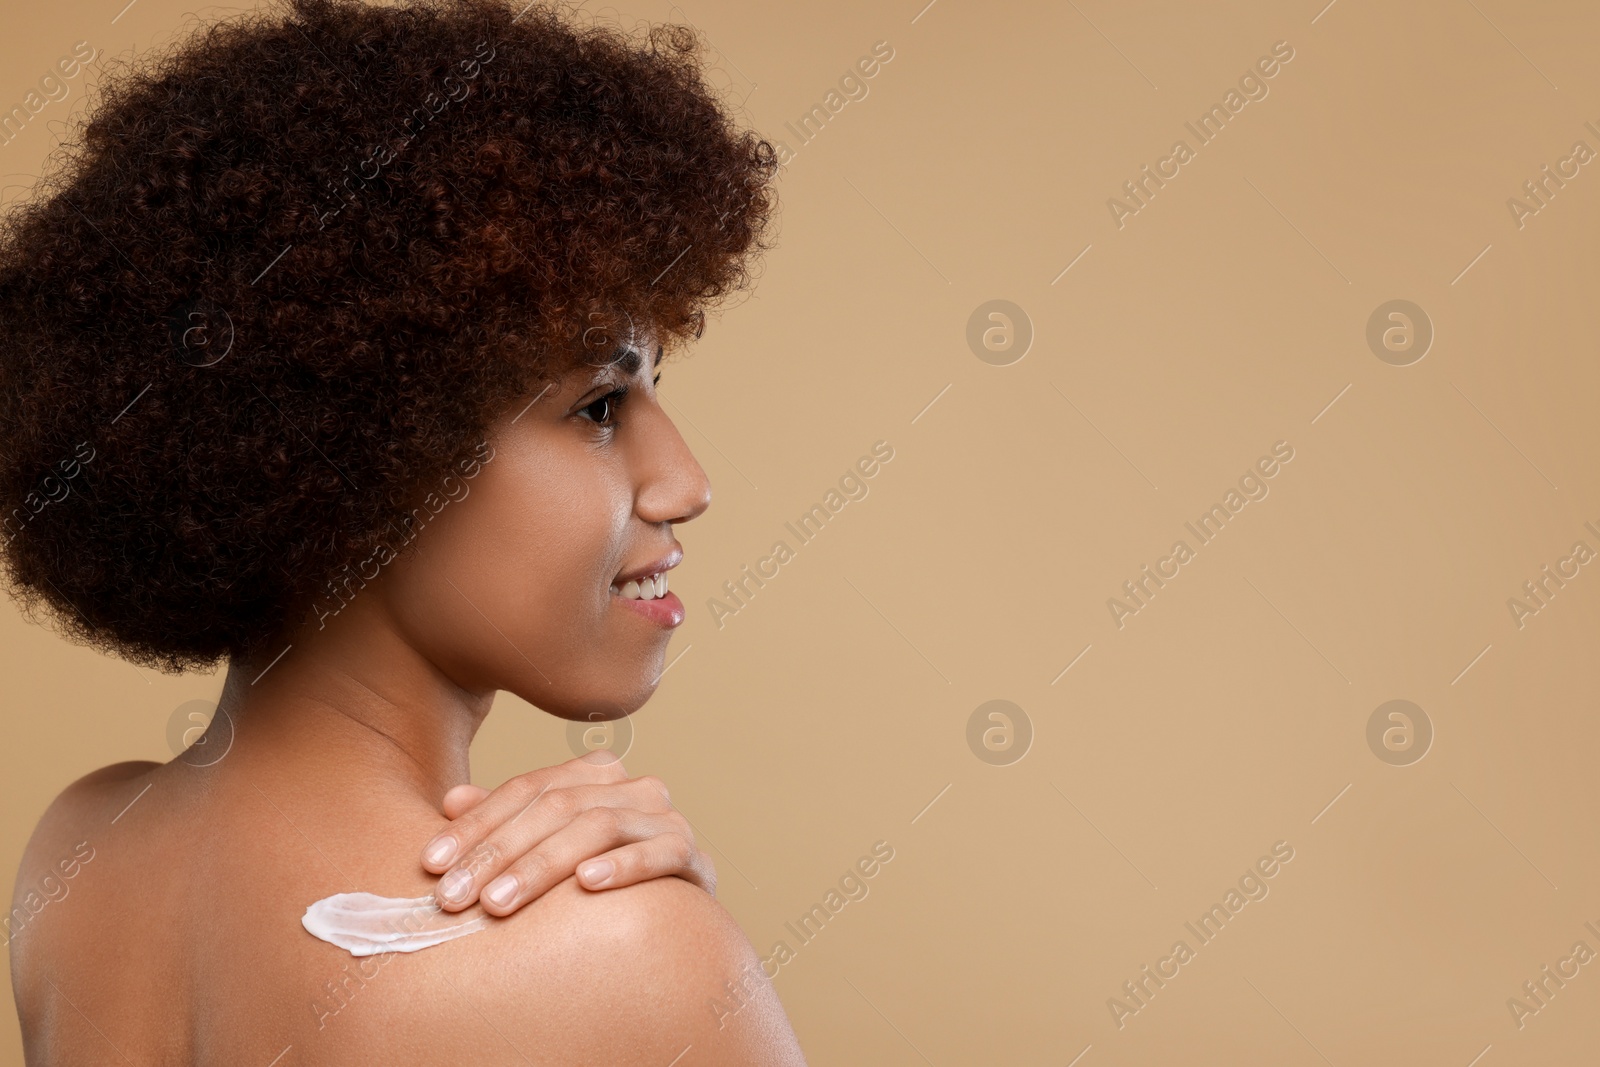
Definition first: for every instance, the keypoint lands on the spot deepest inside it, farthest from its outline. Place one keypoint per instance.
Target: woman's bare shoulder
(65, 839)
(98, 792)
(88, 794)
(640, 975)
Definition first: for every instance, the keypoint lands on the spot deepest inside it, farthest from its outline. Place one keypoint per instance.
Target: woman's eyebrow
(628, 360)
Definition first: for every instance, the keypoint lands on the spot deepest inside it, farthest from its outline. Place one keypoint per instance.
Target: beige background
(1227, 715)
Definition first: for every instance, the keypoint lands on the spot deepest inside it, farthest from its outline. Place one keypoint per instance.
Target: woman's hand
(587, 816)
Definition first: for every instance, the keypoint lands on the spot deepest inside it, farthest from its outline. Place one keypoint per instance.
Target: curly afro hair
(290, 272)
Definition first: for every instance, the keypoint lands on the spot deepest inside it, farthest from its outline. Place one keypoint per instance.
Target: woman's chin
(615, 702)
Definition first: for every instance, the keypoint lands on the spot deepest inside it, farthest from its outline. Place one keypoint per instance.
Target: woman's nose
(674, 487)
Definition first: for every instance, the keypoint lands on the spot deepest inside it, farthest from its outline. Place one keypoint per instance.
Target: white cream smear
(365, 924)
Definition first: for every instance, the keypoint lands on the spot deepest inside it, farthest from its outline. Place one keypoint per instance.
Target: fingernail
(501, 890)
(442, 850)
(599, 872)
(456, 885)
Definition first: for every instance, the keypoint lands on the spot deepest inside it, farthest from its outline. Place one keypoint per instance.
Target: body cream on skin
(365, 924)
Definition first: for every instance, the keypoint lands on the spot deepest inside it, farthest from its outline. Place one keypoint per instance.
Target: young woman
(331, 351)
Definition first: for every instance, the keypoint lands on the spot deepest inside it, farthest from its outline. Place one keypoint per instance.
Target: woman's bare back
(178, 939)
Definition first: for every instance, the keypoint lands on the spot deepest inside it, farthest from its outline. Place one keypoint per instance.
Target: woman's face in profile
(510, 586)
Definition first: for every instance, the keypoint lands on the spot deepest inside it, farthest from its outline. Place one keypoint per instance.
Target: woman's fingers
(643, 860)
(598, 807)
(462, 799)
(513, 795)
(652, 845)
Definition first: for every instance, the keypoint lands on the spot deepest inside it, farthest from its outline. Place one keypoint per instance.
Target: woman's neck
(355, 700)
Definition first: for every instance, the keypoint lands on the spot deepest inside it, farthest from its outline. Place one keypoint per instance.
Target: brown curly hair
(290, 271)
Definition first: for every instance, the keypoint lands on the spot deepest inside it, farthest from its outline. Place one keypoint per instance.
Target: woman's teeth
(649, 588)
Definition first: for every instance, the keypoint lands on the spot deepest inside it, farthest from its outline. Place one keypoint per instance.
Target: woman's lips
(663, 610)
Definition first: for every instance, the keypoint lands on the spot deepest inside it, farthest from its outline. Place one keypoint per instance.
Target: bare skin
(178, 940)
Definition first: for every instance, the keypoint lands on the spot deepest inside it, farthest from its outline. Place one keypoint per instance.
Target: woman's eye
(603, 410)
